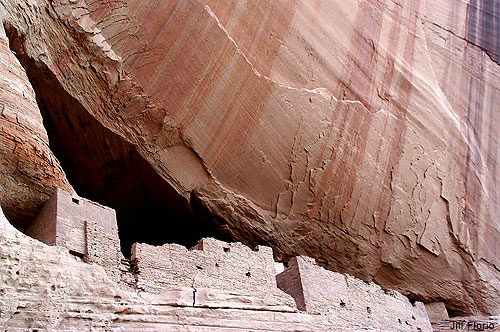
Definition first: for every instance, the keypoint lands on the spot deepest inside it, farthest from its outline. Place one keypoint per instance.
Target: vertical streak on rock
(471, 24)
(400, 105)
(453, 23)
(491, 34)
(497, 28)
(481, 30)
(392, 47)
(159, 27)
(391, 50)
(362, 77)
(212, 75)
(278, 21)
(472, 182)
(488, 29)
(365, 73)
(491, 162)
(493, 152)
(244, 123)
(260, 42)
(357, 81)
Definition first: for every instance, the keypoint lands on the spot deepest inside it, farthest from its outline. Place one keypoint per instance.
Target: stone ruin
(223, 275)
(87, 229)
(209, 264)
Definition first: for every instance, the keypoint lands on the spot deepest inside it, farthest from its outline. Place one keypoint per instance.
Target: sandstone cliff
(361, 133)
(30, 172)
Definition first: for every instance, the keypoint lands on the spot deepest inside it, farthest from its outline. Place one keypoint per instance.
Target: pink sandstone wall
(436, 311)
(63, 218)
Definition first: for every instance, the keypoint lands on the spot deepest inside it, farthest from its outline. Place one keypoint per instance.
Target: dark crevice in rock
(103, 167)
(413, 298)
(455, 313)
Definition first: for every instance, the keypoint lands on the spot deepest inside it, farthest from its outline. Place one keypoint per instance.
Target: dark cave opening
(452, 313)
(103, 167)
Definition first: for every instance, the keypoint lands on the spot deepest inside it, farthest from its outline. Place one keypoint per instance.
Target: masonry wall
(43, 228)
(216, 274)
(211, 263)
(103, 249)
(359, 303)
(289, 281)
(85, 228)
(72, 214)
(45, 288)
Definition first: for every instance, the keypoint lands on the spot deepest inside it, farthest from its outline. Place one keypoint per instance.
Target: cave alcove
(105, 168)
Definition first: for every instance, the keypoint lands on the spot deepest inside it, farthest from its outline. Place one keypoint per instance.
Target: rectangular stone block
(43, 228)
(436, 311)
(73, 212)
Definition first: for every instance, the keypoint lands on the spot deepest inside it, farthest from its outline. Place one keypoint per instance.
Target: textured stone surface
(44, 287)
(29, 172)
(232, 267)
(322, 292)
(65, 218)
(87, 229)
(361, 133)
(436, 311)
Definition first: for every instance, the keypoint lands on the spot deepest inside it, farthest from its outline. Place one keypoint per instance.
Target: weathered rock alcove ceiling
(103, 167)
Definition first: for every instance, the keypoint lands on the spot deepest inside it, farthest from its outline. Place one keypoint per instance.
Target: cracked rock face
(361, 133)
(29, 171)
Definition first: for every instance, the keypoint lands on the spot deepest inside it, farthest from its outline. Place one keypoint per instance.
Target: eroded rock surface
(361, 133)
(29, 170)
